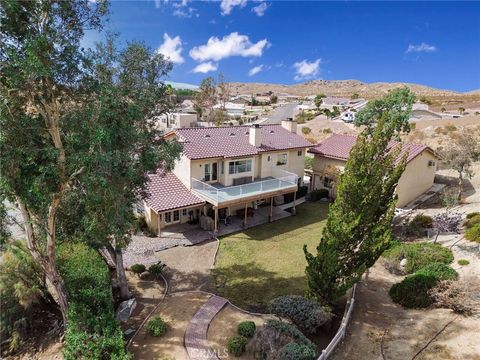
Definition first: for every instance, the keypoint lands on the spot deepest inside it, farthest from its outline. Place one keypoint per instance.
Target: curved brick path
(196, 334)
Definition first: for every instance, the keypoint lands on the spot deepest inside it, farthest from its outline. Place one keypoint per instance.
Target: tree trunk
(60, 294)
(460, 186)
(125, 293)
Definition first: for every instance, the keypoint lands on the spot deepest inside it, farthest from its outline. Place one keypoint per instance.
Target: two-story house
(331, 155)
(226, 171)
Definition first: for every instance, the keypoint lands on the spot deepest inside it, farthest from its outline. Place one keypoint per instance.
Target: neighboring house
(332, 154)
(232, 109)
(223, 171)
(176, 120)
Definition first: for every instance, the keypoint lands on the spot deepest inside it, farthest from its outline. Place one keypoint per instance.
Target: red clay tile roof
(338, 146)
(233, 141)
(164, 191)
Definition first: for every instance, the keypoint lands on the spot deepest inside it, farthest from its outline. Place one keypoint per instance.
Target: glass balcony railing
(218, 194)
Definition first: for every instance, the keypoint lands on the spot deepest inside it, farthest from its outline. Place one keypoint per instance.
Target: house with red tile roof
(331, 155)
(225, 171)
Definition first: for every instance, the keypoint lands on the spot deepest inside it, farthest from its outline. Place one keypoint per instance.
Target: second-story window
(282, 159)
(239, 166)
(299, 152)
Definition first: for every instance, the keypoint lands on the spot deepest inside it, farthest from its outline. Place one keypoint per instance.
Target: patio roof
(165, 192)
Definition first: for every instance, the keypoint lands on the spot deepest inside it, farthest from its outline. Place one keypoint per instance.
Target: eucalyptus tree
(359, 222)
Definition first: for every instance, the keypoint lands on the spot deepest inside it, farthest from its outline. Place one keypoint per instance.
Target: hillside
(342, 88)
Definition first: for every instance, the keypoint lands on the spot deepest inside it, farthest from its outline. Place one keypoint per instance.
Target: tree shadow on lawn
(252, 288)
(309, 216)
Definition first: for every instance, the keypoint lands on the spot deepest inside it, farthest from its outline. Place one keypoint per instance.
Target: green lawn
(266, 261)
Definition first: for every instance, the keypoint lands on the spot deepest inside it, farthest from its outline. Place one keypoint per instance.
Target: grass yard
(266, 261)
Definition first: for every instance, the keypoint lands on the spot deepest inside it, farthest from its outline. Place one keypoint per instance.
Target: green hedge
(236, 345)
(439, 270)
(93, 331)
(307, 314)
(413, 291)
(418, 255)
(294, 351)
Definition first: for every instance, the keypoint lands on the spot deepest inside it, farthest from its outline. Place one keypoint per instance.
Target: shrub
(418, 224)
(327, 131)
(289, 330)
(473, 214)
(418, 255)
(142, 223)
(156, 269)
(93, 330)
(294, 351)
(461, 296)
(306, 130)
(472, 220)
(463, 262)
(316, 195)
(473, 233)
(246, 329)
(156, 326)
(236, 345)
(138, 269)
(306, 314)
(309, 162)
(413, 291)
(439, 270)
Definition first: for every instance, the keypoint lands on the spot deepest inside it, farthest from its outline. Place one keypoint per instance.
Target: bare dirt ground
(177, 310)
(321, 128)
(224, 327)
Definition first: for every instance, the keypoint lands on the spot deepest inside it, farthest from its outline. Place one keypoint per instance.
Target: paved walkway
(196, 335)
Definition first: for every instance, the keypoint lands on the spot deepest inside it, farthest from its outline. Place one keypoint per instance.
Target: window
(269, 158)
(327, 182)
(222, 166)
(168, 217)
(282, 159)
(184, 212)
(239, 166)
(176, 215)
(206, 169)
(299, 152)
(431, 163)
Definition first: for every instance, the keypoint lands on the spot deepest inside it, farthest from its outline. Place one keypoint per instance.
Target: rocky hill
(340, 88)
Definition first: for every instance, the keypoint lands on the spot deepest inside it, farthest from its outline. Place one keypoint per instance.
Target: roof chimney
(255, 135)
(290, 125)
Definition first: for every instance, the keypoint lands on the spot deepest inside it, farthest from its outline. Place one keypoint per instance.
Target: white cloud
(182, 9)
(172, 49)
(205, 67)
(260, 9)
(306, 70)
(255, 70)
(230, 45)
(227, 5)
(423, 47)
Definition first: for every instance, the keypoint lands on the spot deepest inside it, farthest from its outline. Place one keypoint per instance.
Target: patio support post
(216, 221)
(294, 210)
(270, 216)
(245, 218)
(159, 231)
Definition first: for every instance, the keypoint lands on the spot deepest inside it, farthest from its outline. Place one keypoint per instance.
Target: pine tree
(358, 229)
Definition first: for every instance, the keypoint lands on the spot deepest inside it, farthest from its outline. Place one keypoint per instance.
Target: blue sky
(431, 43)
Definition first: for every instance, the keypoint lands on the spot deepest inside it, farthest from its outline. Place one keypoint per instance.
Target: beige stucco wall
(417, 178)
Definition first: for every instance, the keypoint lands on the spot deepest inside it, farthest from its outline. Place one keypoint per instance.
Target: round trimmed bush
(236, 345)
(439, 270)
(419, 223)
(156, 269)
(305, 313)
(294, 351)
(413, 291)
(463, 262)
(138, 269)
(156, 326)
(418, 255)
(473, 233)
(246, 329)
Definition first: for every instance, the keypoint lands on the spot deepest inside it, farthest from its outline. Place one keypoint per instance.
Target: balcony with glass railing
(218, 194)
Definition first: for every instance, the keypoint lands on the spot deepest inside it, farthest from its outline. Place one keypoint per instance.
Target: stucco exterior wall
(416, 179)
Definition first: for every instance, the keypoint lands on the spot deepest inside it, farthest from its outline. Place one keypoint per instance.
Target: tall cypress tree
(359, 222)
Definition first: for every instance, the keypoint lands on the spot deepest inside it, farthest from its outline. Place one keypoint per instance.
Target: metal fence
(343, 326)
